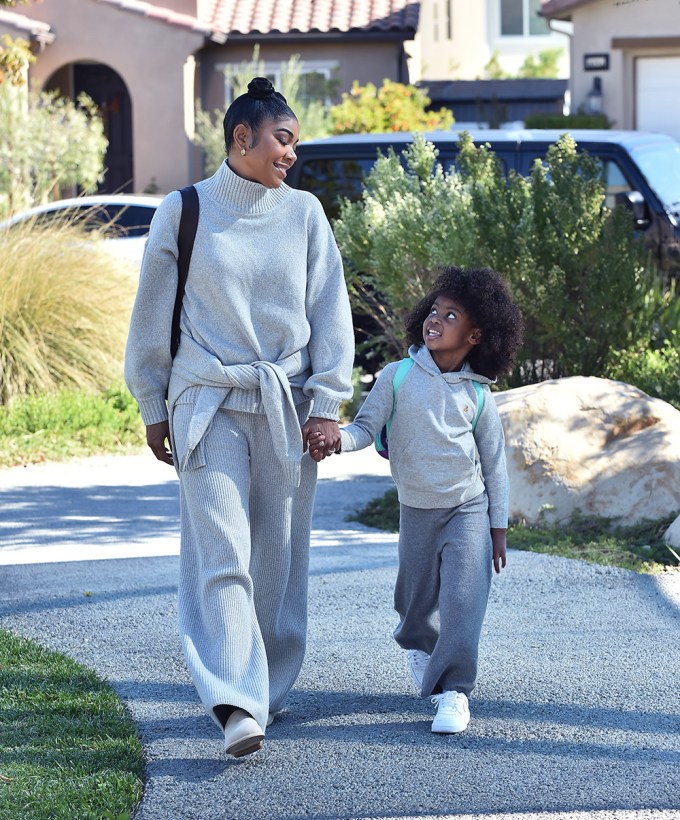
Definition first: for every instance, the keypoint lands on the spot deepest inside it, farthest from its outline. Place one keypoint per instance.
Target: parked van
(640, 170)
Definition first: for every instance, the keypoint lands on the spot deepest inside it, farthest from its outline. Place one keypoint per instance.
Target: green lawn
(68, 748)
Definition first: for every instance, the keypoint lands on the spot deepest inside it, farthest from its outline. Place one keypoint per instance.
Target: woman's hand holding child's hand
(324, 434)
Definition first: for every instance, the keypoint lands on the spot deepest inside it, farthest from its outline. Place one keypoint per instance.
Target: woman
(266, 339)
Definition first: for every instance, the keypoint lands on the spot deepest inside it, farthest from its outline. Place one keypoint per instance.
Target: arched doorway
(109, 92)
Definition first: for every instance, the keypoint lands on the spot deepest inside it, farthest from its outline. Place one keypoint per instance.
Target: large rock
(672, 534)
(591, 446)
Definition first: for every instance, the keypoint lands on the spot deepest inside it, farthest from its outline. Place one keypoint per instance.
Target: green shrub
(544, 65)
(567, 122)
(577, 271)
(656, 371)
(69, 423)
(402, 228)
(65, 304)
(46, 141)
(349, 408)
(392, 107)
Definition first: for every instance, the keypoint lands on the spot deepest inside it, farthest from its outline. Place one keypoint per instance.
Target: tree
(393, 107)
(46, 141)
(580, 276)
(15, 57)
(493, 69)
(544, 65)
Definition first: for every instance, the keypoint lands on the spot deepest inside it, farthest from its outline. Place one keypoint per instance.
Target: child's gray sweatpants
(442, 589)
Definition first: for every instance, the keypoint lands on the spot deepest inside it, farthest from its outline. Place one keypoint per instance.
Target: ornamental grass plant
(65, 304)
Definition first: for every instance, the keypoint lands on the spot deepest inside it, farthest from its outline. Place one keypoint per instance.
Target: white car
(126, 218)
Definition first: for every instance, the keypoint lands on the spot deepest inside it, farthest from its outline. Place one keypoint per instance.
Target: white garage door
(657, 95)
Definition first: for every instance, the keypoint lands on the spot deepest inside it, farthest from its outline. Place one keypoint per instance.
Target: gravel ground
(576, 714)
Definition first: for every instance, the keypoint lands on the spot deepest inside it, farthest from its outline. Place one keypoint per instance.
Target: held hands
(156, 437)
(321, 437)
(316, 443)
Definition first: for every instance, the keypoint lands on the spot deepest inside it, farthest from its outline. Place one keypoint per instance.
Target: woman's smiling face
(269, 154)
(449, 333)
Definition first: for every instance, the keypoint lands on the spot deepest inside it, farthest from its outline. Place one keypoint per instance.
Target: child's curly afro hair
(486, 298)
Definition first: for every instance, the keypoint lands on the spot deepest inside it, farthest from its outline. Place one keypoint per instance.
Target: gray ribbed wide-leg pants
(244, 562)
(442, 589)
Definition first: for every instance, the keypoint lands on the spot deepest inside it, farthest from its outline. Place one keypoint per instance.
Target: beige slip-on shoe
(242, 734)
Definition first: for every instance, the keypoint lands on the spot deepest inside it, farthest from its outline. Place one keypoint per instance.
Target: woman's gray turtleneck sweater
(265, 290)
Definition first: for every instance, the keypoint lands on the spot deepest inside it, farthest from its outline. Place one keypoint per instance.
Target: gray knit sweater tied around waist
(277, 400)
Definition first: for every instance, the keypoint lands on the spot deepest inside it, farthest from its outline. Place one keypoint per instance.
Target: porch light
(594, 97)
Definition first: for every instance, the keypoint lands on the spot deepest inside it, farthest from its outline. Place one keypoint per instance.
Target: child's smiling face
(449, 334)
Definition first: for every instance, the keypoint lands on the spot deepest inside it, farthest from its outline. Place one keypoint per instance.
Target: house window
(314, 85)
(519, 18)
(442, 26)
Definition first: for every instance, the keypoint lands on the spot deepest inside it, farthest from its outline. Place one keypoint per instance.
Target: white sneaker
(453, 712)
(417, 661)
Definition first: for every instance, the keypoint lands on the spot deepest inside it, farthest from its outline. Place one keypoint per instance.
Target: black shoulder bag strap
(185, 244)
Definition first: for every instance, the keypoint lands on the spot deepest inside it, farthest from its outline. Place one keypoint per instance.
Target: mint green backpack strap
(404, 366)
(381, 440)
(479, 390)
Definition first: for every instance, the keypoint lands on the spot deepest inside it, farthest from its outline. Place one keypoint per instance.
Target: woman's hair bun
(260, 88)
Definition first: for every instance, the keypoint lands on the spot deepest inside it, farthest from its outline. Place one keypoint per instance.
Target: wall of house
(457, 38)
(596, 26)
(371, 63)
(154, 60)
(512, 51)
(451, 40)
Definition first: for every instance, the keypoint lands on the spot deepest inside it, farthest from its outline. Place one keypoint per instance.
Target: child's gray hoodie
(435, 459)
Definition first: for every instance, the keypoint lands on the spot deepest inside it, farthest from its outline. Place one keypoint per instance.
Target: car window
(130, 220)
(118, 220)
(334, 179)
(615, 182)
(85, 216)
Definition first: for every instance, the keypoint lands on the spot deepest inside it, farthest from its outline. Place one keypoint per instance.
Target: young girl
(451, 481)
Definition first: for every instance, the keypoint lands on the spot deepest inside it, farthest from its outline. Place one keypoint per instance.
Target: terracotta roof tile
(158, 12)
(292, 16)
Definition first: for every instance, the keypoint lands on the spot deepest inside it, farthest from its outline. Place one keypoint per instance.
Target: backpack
(381, 442)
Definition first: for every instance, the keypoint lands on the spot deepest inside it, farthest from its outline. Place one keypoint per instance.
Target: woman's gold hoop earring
(243, 152)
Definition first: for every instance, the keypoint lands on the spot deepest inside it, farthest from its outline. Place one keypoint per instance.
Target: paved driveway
(577, 713)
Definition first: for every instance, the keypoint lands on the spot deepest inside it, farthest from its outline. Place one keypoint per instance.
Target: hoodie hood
(422, 357)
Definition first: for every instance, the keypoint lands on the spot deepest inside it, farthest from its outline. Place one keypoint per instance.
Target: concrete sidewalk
(576, 714)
